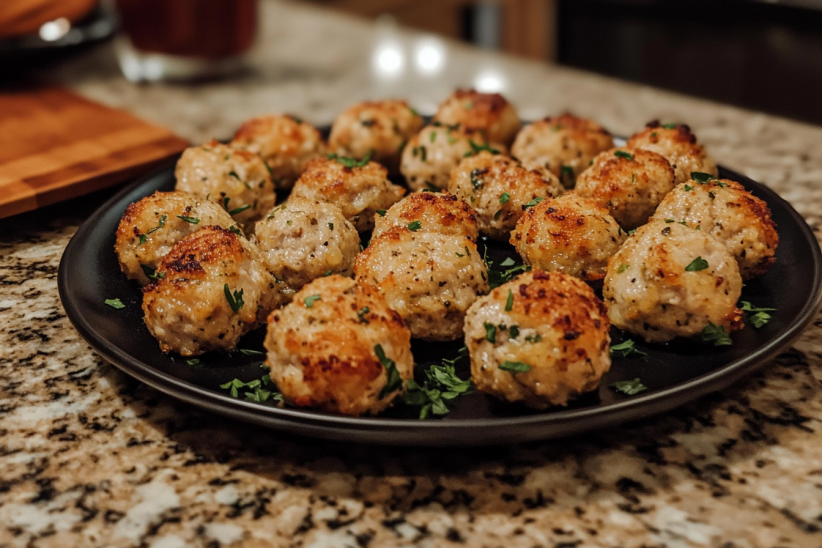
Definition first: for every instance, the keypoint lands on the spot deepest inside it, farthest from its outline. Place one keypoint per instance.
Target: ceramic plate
(674, 373)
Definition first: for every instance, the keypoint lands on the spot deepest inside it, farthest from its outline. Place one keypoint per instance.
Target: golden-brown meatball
(358, 189)
(564, 144)
(430, 279)
(629, 182)
(429, 156)
(429, 212)
(569, 234)
(499, 188)
(302, 239)
(338, 347)
(285, 144)
(490, 113)
(669, 280)
(380, 128)
(150, 227)
(724, 209)
(678, 145)
(238, 180)
(212, 289)
(541, 339)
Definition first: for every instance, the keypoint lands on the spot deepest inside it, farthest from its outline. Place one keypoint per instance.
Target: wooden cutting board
(56, 145)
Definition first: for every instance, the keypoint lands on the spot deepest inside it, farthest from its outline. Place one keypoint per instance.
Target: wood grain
(56, 145)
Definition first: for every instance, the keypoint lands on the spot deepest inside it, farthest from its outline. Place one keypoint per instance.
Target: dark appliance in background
(760, 55)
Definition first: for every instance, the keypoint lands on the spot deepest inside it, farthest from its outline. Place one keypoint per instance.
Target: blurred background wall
(763, 55)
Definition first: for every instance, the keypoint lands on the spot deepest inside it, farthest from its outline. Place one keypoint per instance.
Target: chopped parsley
(423, 153)
(351, 162)
(716, 334)
(504, 198)
(566, 171)
(623, 154)
(394, 381)
(533, 338)
(629, 388)
(239, 209)
(513, 331)
(234, 174)
(622, 268)
(631, 232)
(330, 226)
(756, 315)
(700, 177)
(256, 393)
(151, 273)
(414, 226)
(476, 149)
(362, 312)
(433, 136)
(509, 303)
(192, 220)
(115, 303)
(696, 265)
(626, 349)
(490, 332)
(442, 385)
(669, 221)
(235, 301)
(514, 367)
(532, 203)
(495, 277)
(476, 182)
(247, 352)
(328, 273)
(311, 299)
(431, 187)
(670, 126)
(688, 188)
(235, 229)
(381, 212)
(193, 361)
(160, 225)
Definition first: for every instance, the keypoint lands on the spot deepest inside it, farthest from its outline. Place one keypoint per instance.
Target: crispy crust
(437, 212)
(678, 145)
(486, 112)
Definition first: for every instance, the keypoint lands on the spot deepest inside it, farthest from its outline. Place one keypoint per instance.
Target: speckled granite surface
(89, 457)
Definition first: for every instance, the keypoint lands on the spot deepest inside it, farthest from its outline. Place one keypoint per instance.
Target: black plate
(674, 373)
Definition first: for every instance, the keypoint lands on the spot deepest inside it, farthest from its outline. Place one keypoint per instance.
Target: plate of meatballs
(457, 279)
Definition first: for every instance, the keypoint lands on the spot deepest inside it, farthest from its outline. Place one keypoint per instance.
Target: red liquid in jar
(206, 29)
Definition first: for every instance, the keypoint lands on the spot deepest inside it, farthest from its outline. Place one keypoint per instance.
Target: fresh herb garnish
(688, 188)
(193, 361)
(476, 182)
(504, 198)
(234, 301)
(433, 136)
(257, 393)
(629, 388)
(381, 212)
(476, 149)
(115, 303)
(669, 126)
(622, 268)
(239, 209)
(514, 367)
(566, 170)
(631, 232)
(362, 312)
(247, 352)
(669, 221)
(716, 334)
(311, 299)
(509, 303)
(700, 177)
(151, 273)
(756, 315)
(423, 153)
(330, 226)
(192, 220)
(414, 226)
(532, 203)
(696, 265)
(442, 385)
(394, 381)
(160, 225)
(351, 162)
(234, 174)
(431, 187)
(328, 273)
(623, 154)
(497, 278)
(533, 338)
(235, 229)
(513, 331)
(626, 349)
(490, 332)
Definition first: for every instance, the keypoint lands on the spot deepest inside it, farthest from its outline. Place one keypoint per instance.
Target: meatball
(541, 339)
(499, 188)
(285, 144)
(150, 227)
(359, 189)
(629, 182)
(564, 144)
(430, 212)
(678, 145)
(380, 128)
(305, 239)
(340, 348)
(429, 156)
(430, 279)
(212, 288)
(490, 113)
(669, 280)
(724, 209)
(569, 234)
(238, 180)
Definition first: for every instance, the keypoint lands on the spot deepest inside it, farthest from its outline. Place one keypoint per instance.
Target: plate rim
(330, 426)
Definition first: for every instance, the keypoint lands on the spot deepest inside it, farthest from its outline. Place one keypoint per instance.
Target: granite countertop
(91, 457)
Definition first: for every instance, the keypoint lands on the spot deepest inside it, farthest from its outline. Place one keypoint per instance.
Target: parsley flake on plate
(629, 388)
